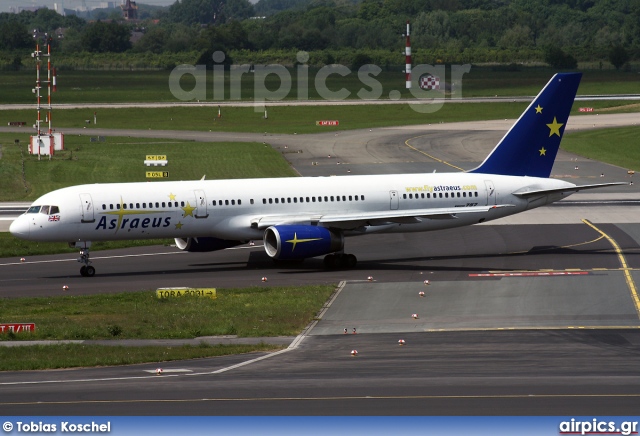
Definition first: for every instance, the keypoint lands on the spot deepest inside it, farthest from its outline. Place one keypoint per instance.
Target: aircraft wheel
(83, 271)
(91, 271)
(329, 261)
(350, 260)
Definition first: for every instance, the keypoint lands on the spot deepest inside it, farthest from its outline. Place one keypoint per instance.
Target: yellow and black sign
(157, 174)
(156, 157)
(182, 292)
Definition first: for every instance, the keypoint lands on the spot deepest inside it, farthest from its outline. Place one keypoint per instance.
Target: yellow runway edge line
(428, 155)
(623, 262)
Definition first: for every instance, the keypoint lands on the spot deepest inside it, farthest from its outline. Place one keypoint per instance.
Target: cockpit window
(54, 210)
(45, 210)
(34, 209)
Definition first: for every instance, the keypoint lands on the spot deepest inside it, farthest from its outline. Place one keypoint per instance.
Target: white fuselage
(232, 209)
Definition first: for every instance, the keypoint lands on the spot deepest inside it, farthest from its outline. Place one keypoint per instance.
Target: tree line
(559, 32)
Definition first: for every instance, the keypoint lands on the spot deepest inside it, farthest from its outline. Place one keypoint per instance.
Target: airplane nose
(20, 228)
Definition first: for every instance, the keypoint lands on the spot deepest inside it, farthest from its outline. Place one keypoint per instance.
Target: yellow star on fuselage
(172, 197)
(554, 128)
(539, 109)
(179, 225)
(188, 210)
(543, 151)
(295, 240)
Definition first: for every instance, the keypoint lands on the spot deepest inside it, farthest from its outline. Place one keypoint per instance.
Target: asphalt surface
(535, 315)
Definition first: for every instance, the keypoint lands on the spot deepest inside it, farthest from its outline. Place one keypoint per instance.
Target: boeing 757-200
(311, 216)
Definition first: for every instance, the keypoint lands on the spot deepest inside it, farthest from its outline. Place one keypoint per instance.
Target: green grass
(38, 357)
(281, 119)
(485, 82)
(121, 160)
(617, 146)
(153, 86)
(290, 119)
(251, 312)
(12, 247)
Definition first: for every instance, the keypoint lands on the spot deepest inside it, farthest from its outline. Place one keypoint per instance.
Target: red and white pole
(408, 58)
(55, 75)
(37, 55)
(49, 83)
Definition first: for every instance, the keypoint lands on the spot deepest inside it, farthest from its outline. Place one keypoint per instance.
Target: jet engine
(288, 242)
(204, 244)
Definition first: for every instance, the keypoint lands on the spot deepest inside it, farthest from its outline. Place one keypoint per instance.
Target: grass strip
(95, 86)
(11, 247)
(252, 312)
(120, 160)
(616, 146)
(39, 357)
(296, 119)
(280, 119)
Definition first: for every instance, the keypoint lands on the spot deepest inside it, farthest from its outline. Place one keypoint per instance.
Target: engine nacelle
(204, 244)
(300, 242)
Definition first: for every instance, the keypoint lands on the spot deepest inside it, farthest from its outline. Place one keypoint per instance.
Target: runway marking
(623, 261)
(526, 328)
(561, 246)
(532, 274)
(118, 257)
(331, 398)
(428, 155)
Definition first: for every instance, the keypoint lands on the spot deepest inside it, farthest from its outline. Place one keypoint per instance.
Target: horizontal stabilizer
(526, 192)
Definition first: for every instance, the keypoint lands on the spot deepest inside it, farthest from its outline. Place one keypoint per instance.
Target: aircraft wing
(530, 192)
(356, 219)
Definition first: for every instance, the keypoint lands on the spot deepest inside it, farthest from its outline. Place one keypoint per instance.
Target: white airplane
(310, 216)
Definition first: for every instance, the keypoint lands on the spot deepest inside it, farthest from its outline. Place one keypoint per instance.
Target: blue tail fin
(530, 146)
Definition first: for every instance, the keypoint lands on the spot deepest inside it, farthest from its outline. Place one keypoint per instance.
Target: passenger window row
(440, 195)
(158, 205)
(228, 202)
(319, 199)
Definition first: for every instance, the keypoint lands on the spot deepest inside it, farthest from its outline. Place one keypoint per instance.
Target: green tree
(72, 41)
(516, 37)
(557, 58)
(14, 35)
(618, 56)
(154, 40)
(104, 37)
(359, 60)
(209, 11)
(180, 38)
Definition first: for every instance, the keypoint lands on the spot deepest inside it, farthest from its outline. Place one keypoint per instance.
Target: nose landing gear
(86, 270)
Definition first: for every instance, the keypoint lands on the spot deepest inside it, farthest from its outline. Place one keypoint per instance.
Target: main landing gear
(340, 261)
(86, 270)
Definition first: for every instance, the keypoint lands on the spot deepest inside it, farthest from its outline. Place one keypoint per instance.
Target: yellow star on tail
(554, 128)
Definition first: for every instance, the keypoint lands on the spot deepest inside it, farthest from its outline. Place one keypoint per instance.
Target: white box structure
(41, 145)
(58, 141)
